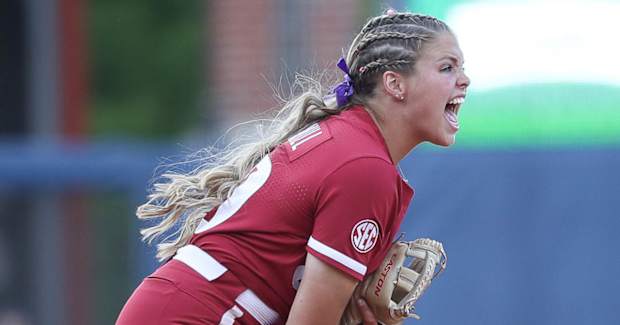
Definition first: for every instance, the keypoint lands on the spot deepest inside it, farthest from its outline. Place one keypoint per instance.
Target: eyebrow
(452, 58)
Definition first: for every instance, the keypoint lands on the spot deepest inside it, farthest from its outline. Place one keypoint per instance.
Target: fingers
(367, 315)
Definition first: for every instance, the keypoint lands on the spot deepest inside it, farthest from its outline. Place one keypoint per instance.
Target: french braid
(400, 18)
(370, 38)
(385, 63)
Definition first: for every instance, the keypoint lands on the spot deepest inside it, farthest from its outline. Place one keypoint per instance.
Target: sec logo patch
(364, 235)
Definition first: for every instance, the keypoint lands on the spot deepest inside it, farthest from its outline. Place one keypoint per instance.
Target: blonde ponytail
(180, 200)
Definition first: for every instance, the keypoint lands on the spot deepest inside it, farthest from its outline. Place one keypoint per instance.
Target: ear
(394, 85)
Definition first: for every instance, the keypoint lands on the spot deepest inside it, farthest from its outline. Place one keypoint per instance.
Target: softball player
(281, 230)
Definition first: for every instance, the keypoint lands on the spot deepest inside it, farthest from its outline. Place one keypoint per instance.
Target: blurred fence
(69, 245)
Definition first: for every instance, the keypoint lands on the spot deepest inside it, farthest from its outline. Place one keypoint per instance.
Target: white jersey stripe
(257, 308)
(230, 315)
(337, 256)
(200, 261)
(203, 263)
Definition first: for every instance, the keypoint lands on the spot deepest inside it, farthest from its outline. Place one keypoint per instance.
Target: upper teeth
(458, 100)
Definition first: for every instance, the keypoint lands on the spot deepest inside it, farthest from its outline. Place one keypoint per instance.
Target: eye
(447, 68)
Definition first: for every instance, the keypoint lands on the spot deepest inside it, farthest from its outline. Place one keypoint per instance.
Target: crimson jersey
(331, 190)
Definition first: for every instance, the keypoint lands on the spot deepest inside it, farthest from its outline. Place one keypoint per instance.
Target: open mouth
(452, 110)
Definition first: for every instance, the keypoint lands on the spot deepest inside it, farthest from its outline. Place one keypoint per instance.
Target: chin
(445, 141)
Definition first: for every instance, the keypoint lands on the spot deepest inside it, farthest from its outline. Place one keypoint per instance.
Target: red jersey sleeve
(355, 211)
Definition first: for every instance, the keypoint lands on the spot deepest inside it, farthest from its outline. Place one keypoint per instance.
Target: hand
(367, 315)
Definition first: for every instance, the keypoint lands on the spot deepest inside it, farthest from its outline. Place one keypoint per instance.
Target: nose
(463, 81)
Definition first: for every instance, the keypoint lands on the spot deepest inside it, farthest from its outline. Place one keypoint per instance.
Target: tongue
(450, 116)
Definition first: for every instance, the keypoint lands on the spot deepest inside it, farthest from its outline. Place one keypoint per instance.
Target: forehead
(444, 46)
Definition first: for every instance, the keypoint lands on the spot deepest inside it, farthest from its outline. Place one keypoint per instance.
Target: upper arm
(356, 212)
(323, 294)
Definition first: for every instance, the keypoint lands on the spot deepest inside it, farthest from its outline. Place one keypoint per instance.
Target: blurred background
(96, 94)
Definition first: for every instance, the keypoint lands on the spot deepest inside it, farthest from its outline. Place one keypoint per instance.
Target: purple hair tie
(344, 90)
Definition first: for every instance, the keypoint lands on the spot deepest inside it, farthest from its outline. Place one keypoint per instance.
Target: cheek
(446, 86)
(430, 99)
(440, 88)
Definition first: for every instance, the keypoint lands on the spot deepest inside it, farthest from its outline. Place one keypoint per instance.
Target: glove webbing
(419, 275)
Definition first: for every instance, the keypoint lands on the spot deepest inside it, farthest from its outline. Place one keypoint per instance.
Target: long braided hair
(179, 200)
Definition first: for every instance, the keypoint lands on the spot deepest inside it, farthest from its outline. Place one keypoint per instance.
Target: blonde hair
(180, 200)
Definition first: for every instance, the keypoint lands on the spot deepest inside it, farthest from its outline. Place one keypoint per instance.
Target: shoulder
(342, 146)
(361, 176)
(341, 138)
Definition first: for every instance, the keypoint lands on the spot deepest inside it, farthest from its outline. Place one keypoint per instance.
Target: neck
(393, 128)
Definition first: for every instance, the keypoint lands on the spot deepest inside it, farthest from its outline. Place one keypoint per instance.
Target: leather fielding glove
(392, 291)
